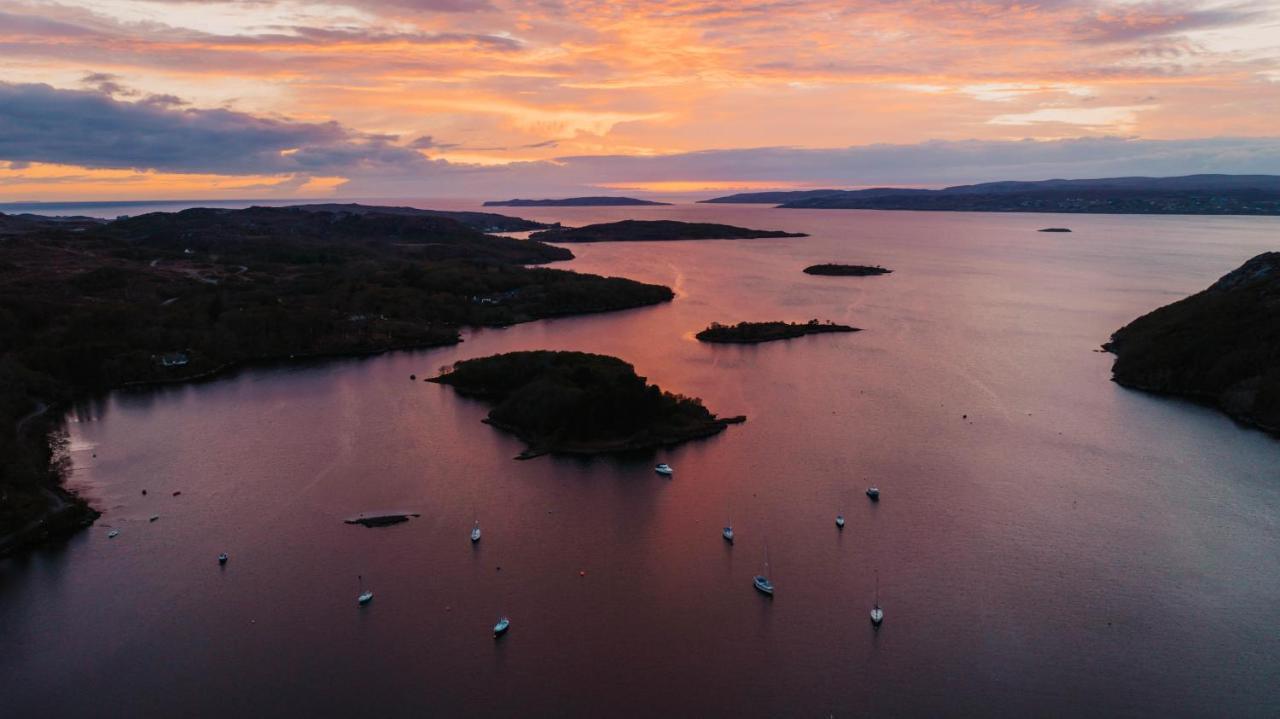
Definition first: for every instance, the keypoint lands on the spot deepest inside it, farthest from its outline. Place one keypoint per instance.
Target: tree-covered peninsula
(574, 402)
(1220, 346)
(88, 305)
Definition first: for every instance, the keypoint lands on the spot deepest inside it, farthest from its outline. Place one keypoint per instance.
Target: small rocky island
(575, 202)
(381, 520)
(655, 230)
(835, 270)
(753, 332)
(1219, 346)
(580, 403)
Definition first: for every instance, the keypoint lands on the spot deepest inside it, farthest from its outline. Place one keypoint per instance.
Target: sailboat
(761, 581)
(475, 532)
(366, 595)
(840, 521)
(877, 614)
(501, 627)
(728, 530)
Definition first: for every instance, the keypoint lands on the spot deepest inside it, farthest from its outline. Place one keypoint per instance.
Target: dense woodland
(86, 305)
(1220, 346)
(574, 401)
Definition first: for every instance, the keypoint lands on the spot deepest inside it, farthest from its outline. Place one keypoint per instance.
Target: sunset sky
(143, 99)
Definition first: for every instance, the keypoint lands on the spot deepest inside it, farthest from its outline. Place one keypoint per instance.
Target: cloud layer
(386, 92)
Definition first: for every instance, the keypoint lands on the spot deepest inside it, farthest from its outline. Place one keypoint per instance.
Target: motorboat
(840, 521)
(501, 627)
(664, 469)
(475, 532)
(222, 558)
(763, 584)
(873, 493)
(113, 534)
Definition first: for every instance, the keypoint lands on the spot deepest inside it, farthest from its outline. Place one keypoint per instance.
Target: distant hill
(575, 202)
(1187, 195)
(654, 230)
(483, 221)
(256, 232)
(1220, 346)
(768, 198)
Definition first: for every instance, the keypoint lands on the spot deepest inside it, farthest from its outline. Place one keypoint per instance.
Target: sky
(171, 99)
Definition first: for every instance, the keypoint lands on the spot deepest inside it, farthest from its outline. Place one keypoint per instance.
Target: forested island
(580, 403)
(655, 230)
(575, 202)
(88, 305)
(753, 332)
(1185, 195)
(1220, 346)
(836, 270)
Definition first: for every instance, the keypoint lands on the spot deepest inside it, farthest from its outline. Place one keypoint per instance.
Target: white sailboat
(366, 595)
(877, 614)
(475, 532)
(761, 581)
(840, 521)
(728, 530)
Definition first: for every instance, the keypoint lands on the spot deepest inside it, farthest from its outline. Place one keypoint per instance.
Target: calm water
(1071, 547)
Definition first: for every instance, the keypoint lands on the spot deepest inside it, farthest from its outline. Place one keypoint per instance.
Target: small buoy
(582, 572)
(413, 376)
(964, 416)
(499, 569)
(144, 491)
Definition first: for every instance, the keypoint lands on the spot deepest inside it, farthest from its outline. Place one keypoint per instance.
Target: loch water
(1047, 543)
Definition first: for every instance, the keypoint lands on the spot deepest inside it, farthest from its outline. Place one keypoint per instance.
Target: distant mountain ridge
(598, 201)
(1188, 194)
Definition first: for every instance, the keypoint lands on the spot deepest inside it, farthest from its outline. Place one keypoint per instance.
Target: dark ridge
(775, 197)
(482, 221)
(575, 202)
(655, 230)
(1188, 195)
(1220, 346)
